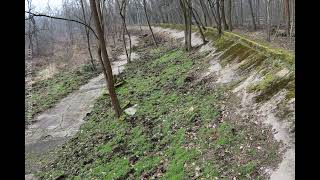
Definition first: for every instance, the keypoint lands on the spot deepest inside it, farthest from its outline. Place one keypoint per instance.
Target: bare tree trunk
(102, 45)
(219, 18)
(199, 27)
(241, 12)
(230, 15)
(287, 16)
(223, 16)
(252, 16)
(122, 9)
(205, 14)
(147, 17)
(292, 19)
(196, 15)
(185, 6)
(87, 36)
(269, 20)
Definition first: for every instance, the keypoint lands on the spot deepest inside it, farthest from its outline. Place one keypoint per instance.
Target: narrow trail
(56, 125)
(246, 107)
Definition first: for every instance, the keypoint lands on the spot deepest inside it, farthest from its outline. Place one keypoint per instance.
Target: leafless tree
(252, 16)
(269, 20)
(87, 32)
(185, 6)
(102, 44)
(147, 17)
(223, 16)
(230, 15)
(122, 11)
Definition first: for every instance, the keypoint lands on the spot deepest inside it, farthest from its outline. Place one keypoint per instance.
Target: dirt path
(263, 112)
(56, 125)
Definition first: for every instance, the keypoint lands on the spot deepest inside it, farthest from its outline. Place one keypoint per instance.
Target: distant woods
(275, 17)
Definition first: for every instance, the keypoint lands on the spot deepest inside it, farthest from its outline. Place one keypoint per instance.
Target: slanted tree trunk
(196, 15)
(223, 16)
(252, 16)
(206, 15)
(102, 45)
(147, 17)
(199, 27)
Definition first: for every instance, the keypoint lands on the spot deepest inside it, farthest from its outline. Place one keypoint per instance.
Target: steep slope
(261, 77)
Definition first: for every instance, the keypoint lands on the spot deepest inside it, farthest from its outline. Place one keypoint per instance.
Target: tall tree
(252, 15)
(87, 32)
(122, 10)
(223, 15)
(219, 18)
(206, 15)
(268, 2)
(287, 15)
(102, 44)
(230, 15)
(185, 6)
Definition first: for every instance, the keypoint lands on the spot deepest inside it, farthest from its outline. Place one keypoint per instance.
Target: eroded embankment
(261, 78)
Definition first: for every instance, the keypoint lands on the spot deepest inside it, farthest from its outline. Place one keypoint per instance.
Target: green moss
(146, 164)
(272, 84)
(248, 168)
(263, 84)
(115, 169)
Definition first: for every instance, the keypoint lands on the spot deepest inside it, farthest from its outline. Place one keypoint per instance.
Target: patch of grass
(45, 93)
(271, 84)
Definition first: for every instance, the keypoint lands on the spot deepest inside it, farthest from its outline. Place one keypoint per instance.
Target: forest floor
(183, 125)
(261, 36)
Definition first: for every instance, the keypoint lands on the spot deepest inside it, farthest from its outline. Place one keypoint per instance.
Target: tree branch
(65, 19)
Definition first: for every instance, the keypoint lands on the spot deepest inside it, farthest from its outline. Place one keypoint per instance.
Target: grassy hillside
(178, 131)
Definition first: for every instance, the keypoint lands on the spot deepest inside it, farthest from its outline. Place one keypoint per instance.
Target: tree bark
(241, 12)
(219, 18)
(185, 6)
(205, 14)
(223, 16)
(287, 16)
(230, 15)
(268, 20)
(252, 16)
(102, 45)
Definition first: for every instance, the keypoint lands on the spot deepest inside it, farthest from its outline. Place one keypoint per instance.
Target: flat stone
(131, 110)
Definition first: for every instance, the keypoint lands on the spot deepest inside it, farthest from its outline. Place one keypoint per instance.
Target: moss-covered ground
(252, 56)
(178, 131)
